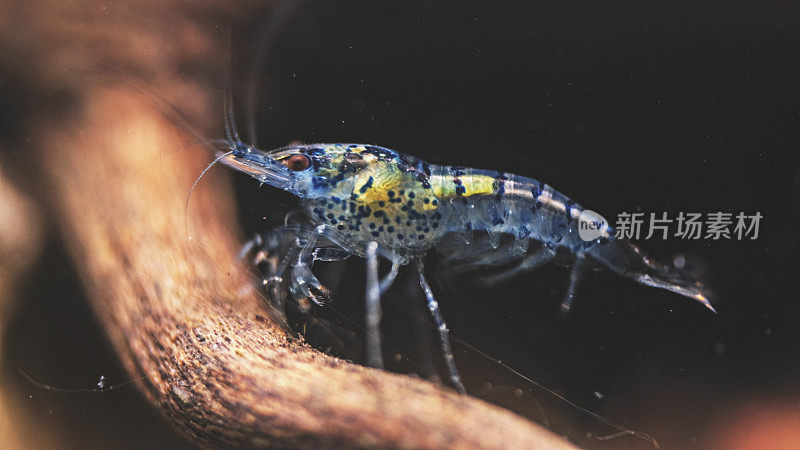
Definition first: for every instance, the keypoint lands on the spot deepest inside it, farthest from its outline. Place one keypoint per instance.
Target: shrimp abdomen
(499, 202)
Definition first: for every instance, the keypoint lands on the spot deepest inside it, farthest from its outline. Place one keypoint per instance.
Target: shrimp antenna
(230, 122)
(194, 185)
(278, 18)
(621, 430)
(100, 387)
(233, 141)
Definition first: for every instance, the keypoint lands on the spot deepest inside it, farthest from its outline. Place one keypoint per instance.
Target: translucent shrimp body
(368, 200)
(368, 193)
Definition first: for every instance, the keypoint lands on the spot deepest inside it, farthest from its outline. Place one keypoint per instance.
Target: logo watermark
(591, 225)
(694, 225)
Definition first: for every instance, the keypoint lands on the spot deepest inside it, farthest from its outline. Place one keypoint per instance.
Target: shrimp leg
(255, 242)
(373, 318)
(476, 257)
(270, 249)
(433, 307)
(304, 282)
(376, 288)
(294, 249)
(574, 281)
(530, 263)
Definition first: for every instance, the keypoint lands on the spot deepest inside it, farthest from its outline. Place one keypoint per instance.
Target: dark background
(657, 107)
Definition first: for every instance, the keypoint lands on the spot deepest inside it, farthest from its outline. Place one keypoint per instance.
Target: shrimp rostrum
(374, 202)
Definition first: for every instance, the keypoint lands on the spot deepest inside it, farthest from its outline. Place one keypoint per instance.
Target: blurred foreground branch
(181, 315)
(182, 319)
(20, 244)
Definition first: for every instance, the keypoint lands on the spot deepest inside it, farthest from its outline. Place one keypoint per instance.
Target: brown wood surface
(20, 244)
(183, 317)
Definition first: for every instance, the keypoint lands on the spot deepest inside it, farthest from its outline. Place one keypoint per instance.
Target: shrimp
(373, 202)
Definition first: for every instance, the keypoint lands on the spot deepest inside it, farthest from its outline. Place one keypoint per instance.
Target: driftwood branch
(186, 325)
(20, 244)
(185, 322)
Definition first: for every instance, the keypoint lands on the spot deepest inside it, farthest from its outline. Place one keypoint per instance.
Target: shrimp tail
(628, 260)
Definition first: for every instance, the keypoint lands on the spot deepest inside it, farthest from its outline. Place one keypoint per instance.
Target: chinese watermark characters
(713, 226)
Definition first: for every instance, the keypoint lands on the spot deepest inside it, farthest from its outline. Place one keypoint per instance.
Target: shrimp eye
(297, 163)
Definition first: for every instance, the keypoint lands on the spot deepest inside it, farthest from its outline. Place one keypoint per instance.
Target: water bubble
(679, 261)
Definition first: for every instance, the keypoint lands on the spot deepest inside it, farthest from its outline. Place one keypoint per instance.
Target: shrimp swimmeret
(374, 202)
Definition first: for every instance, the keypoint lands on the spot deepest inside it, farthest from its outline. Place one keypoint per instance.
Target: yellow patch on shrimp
(446, 187)
(395, 188)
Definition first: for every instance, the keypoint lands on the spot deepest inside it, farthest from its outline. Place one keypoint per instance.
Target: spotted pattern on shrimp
(365, 193)
(388, 198)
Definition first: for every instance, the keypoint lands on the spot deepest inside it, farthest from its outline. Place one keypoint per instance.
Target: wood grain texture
(188, 325)
(184, 319)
